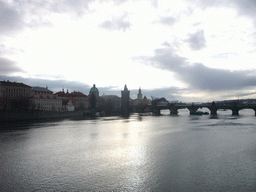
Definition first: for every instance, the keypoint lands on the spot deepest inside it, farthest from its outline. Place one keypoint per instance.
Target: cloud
(245, 7)
(198, 76)
(170, 93)
(74, 6)
(53, 85)
(16, 15)
(155, 3)
(8, 67)
(196, 41)
(116, 23)
(10, 19)
(170, 21)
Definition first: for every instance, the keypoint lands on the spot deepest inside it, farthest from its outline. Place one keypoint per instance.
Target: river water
(139, 153)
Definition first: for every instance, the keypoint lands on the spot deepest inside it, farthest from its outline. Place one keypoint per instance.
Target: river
(139, 153)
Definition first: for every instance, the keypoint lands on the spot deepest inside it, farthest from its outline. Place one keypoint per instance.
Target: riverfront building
(43, 99)
(95, 101)
(77, 99)
(14, 89)
(14, 95)
(41, 91)
(46, 102)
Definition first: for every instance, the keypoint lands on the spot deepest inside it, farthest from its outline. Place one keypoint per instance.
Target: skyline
(180, 50)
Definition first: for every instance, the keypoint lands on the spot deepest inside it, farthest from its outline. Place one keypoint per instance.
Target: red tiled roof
(73, 94)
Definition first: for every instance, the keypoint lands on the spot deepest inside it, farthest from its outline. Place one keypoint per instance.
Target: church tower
(125, 101)
(139, 95)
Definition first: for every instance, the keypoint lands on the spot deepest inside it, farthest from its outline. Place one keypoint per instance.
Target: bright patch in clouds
(151, 44)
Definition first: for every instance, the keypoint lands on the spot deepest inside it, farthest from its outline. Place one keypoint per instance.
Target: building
(46, 102)
(70, 106)
(41, 91)
(139, 95)
(94, 91)
(14, 90)
(125, 101)
(137, 101)
(141, 103)
(95, 101)
(43, 99)
(78, 99)
(14, 96)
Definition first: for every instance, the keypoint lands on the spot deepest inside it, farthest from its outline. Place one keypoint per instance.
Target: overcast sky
(179, 49)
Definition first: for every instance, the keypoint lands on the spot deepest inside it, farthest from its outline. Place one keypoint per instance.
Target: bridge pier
(176, 112)
(192, 109)
(156, 111)
(213, 111)
(235, 109)
(192, 112)
(235, 112)
(213, 108)
(173, 111)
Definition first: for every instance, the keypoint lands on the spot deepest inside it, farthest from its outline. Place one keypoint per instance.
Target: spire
(139, 95)
(125, 88)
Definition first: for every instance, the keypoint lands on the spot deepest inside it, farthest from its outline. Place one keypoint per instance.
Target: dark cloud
(8, 67)
(198, 76)
(170, 93)
(116, 23)
(196, 40)
(58, 85)
(53, 85)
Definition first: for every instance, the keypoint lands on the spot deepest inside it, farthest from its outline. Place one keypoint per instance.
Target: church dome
(94, 89)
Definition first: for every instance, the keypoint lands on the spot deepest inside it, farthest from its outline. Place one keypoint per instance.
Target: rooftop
(41, 89)
(13, 84)
(94, 89)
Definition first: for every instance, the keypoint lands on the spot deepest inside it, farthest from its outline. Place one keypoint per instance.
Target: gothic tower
(125, 103)
(139, 95)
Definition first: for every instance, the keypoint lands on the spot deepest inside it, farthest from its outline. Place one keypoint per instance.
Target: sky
(190, 51)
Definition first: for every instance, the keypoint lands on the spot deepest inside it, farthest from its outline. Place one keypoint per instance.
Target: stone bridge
(193, 108)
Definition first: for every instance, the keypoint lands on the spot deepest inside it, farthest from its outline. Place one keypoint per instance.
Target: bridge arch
(164, 112)
(224, 112)
(247, 111)
(205, 109)
(183, 111)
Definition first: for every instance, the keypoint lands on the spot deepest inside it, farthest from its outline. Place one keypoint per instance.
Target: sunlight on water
(139, 153)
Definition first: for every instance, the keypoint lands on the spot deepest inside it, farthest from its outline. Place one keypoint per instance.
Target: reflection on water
(139, 153)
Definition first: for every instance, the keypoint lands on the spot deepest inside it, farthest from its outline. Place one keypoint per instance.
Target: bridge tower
(125, 101)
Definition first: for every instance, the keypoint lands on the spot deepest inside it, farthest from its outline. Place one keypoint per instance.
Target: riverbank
(35, 115)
